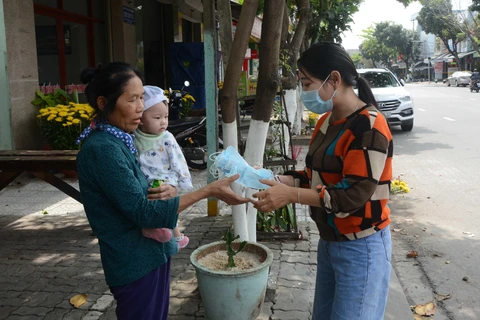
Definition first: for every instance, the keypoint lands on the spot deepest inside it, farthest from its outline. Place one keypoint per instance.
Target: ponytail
(365, 93)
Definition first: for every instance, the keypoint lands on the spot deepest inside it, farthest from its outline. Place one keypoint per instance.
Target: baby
(160, 157)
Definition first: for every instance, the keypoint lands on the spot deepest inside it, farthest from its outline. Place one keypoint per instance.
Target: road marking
(420, 109)
(449, 119)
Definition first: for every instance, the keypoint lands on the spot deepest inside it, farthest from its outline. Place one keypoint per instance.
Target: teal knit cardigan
(113, 192)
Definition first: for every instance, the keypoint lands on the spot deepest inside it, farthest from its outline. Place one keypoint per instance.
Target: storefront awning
(439, 57)
(464, 54)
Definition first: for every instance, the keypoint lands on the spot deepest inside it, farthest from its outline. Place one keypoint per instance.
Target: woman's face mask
(313, 102)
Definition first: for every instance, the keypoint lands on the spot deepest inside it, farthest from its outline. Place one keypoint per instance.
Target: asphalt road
(440, 217)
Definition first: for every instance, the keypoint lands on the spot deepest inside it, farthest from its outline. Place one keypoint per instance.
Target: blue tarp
(187, 63)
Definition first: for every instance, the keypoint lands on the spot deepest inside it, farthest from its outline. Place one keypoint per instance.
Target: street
(439, 219)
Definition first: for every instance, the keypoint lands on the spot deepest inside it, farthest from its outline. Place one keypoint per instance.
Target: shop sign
(128, 15)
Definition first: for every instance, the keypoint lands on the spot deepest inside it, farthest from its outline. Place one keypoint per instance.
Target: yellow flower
(81, 111)
(51, 117)
(58, 119)
(83, 115)
(70, 118)
(76, 121)
(62, 114)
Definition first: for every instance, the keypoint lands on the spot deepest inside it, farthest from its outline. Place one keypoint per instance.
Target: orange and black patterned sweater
(349, 163)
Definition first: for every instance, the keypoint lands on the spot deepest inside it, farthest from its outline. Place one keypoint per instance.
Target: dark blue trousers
(145, 299)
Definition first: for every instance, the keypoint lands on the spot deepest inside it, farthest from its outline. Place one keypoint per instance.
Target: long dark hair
(107, 81)
(322, 58)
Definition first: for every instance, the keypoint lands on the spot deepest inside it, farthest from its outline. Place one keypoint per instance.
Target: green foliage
(372, 49)
(280, 220)
(399, 39)
(475, 6)
(330, 18)
(229, 239)
(52, 99)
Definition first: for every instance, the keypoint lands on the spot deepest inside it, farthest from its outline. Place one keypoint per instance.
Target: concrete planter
(233, 295)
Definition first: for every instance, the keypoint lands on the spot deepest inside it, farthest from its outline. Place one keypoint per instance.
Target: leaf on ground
(412, 254)
(441, 297)
(426, 309)
(417, 317)
(44, 212)
(397, 230)
(79, 299)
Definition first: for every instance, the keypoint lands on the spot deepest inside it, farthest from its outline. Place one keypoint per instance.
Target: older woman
(118, 202)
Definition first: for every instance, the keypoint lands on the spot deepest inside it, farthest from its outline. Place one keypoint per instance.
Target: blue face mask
(229, 162)
(313, 102)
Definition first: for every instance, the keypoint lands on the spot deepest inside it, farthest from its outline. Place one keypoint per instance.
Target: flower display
(61, 125)
(399, 186)
(312, 119)
(187, 102)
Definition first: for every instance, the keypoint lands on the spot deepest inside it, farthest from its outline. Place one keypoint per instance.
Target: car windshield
(380, 79)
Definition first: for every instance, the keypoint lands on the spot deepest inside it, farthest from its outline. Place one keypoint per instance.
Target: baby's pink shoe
(182, 241)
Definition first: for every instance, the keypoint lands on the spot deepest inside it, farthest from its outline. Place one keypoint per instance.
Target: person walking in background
(346, 183)
(118, 202)
(160, 157)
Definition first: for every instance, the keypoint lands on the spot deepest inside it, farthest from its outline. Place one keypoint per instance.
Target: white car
(393, 100)
(459, 78)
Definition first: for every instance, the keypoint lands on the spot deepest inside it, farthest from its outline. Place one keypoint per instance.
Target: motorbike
(189, 132)
(475, 85)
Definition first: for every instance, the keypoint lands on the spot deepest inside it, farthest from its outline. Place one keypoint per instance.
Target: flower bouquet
(61, 125)
(187, 102)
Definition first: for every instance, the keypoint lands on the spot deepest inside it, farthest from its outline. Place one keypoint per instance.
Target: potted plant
(231, 286)
(62, 124)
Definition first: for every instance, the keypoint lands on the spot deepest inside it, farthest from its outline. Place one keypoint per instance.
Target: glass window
(380, 79)
(100, 43)
(78, 6)
(49, 3)
(99, 9)
(47, 50)
(77, 57)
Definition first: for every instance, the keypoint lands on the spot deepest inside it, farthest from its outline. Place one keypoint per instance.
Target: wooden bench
(42, 164)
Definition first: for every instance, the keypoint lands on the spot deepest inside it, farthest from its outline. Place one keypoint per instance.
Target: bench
(42, 164)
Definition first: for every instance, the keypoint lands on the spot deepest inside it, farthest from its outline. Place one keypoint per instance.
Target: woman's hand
(277, 196)
(220, 189)
(164, 192)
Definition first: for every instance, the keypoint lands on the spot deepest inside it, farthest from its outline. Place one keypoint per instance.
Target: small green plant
(43, 100)
(280, 220)
(229, 239)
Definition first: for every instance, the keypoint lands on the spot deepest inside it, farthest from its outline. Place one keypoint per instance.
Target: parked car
(459, 78)
(393, 100)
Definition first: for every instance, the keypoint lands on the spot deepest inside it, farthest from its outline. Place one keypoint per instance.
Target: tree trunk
(225, 32)
(228, 99)
(268, 83)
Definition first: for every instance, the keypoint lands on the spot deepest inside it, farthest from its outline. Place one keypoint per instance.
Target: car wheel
(448, 83)
(407, 127)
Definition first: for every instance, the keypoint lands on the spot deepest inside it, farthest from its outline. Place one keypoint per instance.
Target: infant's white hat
(152, 96)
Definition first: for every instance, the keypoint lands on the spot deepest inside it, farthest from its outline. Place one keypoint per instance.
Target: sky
(374, 11)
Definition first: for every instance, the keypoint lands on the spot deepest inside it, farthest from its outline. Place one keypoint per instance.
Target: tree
(268, 83)
(229, 97)
(374, 50)
(436, 17)
(399, 39)
(330, 18)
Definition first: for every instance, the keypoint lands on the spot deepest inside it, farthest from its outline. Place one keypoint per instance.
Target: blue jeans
(353, 278)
